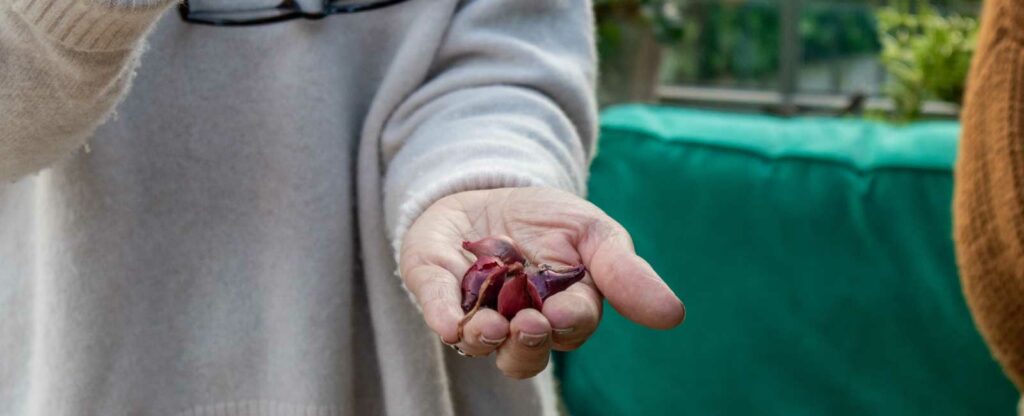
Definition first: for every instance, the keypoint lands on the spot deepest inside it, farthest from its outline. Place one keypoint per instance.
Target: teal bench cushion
(816, 262)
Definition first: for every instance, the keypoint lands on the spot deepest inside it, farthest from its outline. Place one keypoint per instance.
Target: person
(987, 194)
(209, 219)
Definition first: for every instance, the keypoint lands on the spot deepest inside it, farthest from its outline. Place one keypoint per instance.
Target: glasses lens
(231, 13)
(239, 15)
(234, 11)
(352, 6)
(232, 5)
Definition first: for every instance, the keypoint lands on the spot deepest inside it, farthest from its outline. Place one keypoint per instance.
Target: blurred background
(787, 167)
(908, 58)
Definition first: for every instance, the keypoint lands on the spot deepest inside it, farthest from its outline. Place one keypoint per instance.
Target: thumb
(629, 283)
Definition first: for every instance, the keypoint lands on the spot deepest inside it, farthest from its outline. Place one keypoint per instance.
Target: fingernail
(532, 340)
(563, 331)
(492, 342)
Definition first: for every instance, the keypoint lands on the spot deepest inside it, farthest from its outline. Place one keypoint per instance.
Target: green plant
(926, 54)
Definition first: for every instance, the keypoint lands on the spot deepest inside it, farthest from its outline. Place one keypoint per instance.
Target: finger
(484, 333)
(631, 285)
(573, 314)
(526, 352)
(437, 291)
(426, 268)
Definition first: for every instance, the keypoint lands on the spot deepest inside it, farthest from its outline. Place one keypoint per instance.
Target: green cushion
(816, 262)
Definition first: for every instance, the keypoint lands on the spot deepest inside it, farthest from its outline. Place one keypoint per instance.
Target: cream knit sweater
(224, 247)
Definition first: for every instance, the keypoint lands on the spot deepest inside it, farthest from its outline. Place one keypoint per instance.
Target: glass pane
(839, 44)
(737, 44)
(724, 44)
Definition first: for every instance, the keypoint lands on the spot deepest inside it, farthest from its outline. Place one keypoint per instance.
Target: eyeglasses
(285, 10)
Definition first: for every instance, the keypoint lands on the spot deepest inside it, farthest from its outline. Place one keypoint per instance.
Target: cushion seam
(786, 158)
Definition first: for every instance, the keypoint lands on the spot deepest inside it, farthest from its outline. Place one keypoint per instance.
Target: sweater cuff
(92, 25)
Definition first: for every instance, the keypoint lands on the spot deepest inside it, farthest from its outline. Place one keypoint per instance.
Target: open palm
(549, 226)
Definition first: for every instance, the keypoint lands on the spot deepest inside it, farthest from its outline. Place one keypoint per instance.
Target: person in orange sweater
(989, 186)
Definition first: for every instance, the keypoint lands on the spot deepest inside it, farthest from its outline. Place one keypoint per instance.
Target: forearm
(64, 64)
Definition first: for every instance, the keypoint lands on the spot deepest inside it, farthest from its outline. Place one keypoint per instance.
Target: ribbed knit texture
(262, 408)
(989, 195)
(78, 54)
(92, 25)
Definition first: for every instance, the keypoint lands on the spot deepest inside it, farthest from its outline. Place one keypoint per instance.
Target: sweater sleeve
(64, 64)
(989, 186)
(508, 102)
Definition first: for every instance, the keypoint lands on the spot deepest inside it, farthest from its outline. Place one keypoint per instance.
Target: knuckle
(434, 293)
(432, 303)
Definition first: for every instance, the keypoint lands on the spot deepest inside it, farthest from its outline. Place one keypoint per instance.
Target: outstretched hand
(549, 226)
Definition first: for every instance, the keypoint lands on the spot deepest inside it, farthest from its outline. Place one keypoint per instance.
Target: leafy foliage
(927, 55)
(736, 43)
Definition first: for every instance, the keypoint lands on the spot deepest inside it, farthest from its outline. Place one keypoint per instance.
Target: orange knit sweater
(989, 195)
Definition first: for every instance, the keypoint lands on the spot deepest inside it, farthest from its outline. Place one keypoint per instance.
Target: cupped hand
(549, 226)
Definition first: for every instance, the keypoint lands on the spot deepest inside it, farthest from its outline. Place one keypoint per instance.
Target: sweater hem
(262, 408)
